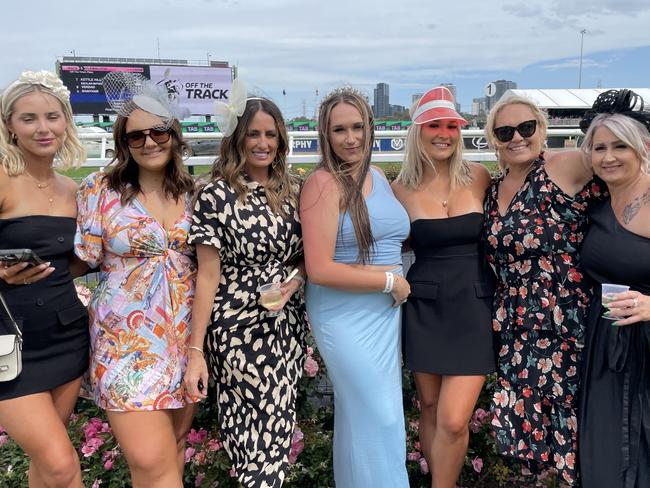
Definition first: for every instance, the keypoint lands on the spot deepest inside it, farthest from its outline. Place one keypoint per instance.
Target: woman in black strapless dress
(446, 332)
(614, 415)
(38, 211)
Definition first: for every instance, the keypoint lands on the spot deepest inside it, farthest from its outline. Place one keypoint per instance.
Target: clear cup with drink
(609, 292)
(271, 297)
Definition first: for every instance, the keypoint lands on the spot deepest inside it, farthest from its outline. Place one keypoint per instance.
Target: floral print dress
(539, 316)
(140, 311)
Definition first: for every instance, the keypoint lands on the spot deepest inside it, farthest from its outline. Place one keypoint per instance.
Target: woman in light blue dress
(353, 229)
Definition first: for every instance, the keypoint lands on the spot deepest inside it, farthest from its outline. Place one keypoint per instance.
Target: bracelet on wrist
(390, 282)
(299, 279)
(196, 349)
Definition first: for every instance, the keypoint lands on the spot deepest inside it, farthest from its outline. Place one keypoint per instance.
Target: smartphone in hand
(9, 257)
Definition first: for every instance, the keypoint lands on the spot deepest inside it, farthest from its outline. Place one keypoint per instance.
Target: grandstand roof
(579, 98)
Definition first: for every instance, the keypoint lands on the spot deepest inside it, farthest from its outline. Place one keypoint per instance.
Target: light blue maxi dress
(358, 336)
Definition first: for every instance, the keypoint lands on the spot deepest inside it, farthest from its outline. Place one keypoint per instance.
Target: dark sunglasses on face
(507, 132)
(137, 138)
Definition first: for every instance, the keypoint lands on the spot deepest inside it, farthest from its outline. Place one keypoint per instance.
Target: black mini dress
(53, 320)
(446, 321)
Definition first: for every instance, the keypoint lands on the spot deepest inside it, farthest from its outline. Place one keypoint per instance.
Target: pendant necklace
(41, 186)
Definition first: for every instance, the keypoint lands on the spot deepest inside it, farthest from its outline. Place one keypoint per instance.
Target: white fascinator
(226, 114)
(127, 92)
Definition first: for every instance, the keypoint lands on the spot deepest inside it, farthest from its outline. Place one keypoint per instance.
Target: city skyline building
(498, 88)
(381, 106)
(452, 88)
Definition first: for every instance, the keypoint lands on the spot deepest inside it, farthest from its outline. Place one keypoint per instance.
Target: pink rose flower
(108, 464)
(199, 458)
(477, 464)
(214, 445)
(311, 367)
(482, 415)
(424, 466)
(413, 456)
(198, 481)
(197, 437)
(189, 452)
(90, 447)
(3, 439)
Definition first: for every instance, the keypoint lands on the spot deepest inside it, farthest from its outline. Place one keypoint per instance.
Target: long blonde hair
(71, 153)
(344, 172)
(415, 157)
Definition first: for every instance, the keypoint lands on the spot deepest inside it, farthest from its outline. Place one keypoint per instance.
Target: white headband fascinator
(46, 79)
(226, 114)
(127, 92)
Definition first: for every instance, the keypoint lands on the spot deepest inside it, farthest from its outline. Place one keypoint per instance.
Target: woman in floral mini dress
(535, 222)
(133, 223)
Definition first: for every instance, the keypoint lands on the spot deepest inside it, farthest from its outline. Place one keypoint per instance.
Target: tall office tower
(452, 89)
(495, 91)
(381, 106)
(478, 106)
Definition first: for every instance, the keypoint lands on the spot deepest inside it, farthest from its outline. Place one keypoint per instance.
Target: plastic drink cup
(270, 296)
(609, 292)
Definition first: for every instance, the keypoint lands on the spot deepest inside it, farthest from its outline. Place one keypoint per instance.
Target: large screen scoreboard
(196, 87)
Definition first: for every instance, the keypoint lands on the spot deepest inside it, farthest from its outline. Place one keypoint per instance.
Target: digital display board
(195, 87)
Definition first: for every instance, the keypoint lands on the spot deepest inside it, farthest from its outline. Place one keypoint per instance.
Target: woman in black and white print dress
(247, 233)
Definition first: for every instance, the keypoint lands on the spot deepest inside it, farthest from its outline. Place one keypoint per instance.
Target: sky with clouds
(305, 47)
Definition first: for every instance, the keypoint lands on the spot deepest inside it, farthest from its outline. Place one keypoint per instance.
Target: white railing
(477, 137)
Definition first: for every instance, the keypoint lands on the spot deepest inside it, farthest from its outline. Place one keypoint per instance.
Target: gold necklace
(42, 186)
(39, 185)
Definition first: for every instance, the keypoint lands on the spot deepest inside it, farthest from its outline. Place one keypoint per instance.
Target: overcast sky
(307, 46)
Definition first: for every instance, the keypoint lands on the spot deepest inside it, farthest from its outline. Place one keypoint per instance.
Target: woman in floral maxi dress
(535, 222)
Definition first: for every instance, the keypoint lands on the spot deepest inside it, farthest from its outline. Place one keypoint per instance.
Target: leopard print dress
(255, 359)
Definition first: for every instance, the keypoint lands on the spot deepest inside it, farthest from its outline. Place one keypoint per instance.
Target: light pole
(582, 41)
(208, 56)
(74, 55)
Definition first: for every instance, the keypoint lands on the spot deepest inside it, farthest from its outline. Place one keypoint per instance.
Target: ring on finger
(25, 282)
(635, 302)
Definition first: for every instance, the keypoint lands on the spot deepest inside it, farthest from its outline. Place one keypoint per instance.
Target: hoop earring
(14, 138)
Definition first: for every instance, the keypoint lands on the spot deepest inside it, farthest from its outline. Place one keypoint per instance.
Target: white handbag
(11, 346)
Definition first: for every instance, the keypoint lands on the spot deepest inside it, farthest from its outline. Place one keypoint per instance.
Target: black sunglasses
(507, 132)
(137, 138)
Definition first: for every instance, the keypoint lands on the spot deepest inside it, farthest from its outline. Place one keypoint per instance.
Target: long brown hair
(344, 172)
(123, 176)
(229, 166)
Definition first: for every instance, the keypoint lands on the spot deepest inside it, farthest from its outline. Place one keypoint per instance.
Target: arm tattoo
(631, 209)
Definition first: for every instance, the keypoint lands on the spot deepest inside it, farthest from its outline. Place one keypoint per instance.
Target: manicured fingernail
(24, 265)
(606, 305)
(606, 314)
(614, 323)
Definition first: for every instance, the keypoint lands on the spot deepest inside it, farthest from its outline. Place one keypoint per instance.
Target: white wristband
(299, 279)
(390, 282)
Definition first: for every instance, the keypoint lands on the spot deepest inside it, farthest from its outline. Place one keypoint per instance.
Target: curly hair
(122, 176)
(230, 164)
